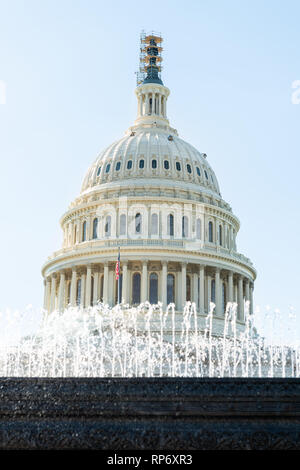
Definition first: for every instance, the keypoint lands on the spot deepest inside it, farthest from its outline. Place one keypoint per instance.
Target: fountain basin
(150, 413)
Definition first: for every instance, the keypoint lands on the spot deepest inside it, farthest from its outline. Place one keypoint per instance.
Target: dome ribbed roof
(185, 163)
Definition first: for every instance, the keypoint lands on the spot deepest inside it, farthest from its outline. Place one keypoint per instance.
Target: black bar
(167, 414)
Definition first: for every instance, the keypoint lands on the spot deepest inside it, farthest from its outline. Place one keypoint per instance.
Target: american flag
(117, 271)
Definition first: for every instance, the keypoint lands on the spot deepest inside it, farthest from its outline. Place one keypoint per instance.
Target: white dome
(151, 153)
(155, 197)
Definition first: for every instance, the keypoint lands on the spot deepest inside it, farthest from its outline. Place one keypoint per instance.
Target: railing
(185, 244)
(143, 242)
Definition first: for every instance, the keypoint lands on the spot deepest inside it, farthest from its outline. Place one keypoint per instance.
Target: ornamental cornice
(135, 184)
(106, 252)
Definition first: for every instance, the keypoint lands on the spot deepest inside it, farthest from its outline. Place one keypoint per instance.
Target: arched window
(141, 164)
(166, 164)
(136, 288)
(74, 234)
(68, 293)
(78, 292)
(185, 226)
(99, 171)
(101, 288)
(198, 229)
(138, 223)
(150, 106)
(213, 291)
(206, 175)
(170, 289)
(223, 297)
(107, 168)
(188, 288)
(154, 164)
(178, 166)
(95, 228)
(170, 224)
(122, 224)
(116, 290)
(154, 224)
(153, 288)
(107, 228)
(198, 171)
(129, 164)
(83, 231)
(189, 168)
(92, 290)
(118, 166)
(220, 234)
(210, 232)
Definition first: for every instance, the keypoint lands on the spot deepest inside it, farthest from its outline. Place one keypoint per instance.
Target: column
(82, 299)
(96, 288)
(230, 286)
(208, 292)
(53, 292)
(73, 287)
(61, 292)
(240, 299)
(88, 228)
(201, 289)
(148, 210)
(47, 294)
(251, 298)
(247, 292)
(144, 293)
(105, 284)
(164, 284)
(77, 230)
(158, 104)
(111, 287)
(195, 297)
(183, 283)
(218, 292)
(125, 283)
(88, 286)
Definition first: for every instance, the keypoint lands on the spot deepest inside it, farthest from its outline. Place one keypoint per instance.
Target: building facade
(157, 198)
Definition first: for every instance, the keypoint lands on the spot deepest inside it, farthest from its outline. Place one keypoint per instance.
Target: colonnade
(151, 103)
(145, 280)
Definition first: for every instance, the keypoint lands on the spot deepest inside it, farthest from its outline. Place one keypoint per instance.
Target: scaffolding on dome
(150, 56)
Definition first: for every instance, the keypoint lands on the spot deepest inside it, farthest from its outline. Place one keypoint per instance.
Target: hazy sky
(67, 70)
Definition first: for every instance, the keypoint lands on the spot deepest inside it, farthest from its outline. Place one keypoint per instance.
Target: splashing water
(146, 342)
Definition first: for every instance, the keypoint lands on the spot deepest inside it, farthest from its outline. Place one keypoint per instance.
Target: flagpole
(119, 291)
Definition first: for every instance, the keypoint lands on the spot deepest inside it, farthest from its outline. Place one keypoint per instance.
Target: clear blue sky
(69, 73)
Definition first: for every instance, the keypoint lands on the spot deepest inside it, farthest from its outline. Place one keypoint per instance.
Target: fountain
(137, 378)
(146, 341)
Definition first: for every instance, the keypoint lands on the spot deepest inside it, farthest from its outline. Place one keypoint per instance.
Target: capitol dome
(155, 198)
(152, 153)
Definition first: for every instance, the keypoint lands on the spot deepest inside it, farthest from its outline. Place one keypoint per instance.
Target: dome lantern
(151, 93)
